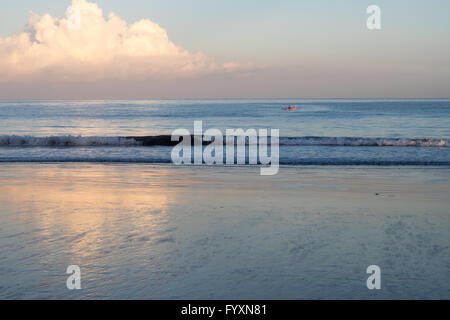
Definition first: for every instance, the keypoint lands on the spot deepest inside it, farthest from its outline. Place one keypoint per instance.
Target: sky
(224, 49)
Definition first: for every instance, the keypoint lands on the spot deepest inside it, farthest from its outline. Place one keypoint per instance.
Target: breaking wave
(364, 142)
(165, 140)
(63, 141)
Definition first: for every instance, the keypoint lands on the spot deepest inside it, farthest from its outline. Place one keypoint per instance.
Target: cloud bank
(51, 49)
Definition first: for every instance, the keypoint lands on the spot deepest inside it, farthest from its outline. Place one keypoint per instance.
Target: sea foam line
(165, 140)
(56, 141)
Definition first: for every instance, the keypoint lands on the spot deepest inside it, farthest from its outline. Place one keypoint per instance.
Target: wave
(299, 162)
(165, 140)
(364, 142)
(65, 141)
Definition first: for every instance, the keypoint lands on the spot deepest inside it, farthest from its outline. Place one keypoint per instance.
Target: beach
(159, 231)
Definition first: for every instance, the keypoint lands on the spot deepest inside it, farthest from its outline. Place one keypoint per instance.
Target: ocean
(361, 183)
(319, 132)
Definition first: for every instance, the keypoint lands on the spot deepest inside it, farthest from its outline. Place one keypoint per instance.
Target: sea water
(322, 132)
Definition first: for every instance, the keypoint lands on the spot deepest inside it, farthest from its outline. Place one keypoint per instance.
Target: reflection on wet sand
(159, 231)
(88, 213)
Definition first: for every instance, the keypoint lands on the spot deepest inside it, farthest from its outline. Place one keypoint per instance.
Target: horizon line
(172, 99)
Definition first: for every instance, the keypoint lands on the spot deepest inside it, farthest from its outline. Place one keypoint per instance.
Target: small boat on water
(290, 108)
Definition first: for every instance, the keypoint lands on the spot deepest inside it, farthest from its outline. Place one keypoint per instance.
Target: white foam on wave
(69, 140)
(368, 142)
(14, 140)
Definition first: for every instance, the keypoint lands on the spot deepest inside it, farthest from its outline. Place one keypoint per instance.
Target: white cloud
(48, 50)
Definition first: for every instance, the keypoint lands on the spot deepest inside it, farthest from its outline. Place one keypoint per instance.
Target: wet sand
(166, 232)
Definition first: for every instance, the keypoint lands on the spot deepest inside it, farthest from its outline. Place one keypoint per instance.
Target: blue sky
(293, 37)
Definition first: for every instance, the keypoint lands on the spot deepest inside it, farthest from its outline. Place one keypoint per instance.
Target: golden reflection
(89, 208)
